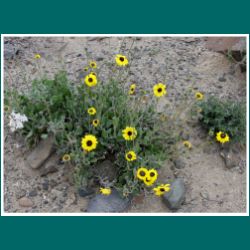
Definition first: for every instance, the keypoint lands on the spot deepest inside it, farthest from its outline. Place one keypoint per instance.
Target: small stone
(20, 193)
(41, 153)
(176, 196)
(25, 202)
(83, 192)
(113, 203)
(231, 159)
(222, 79)
(179, 163)
(45, 185)
(33, 193)
(48, 170)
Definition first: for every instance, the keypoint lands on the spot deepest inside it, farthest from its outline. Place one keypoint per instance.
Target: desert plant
(226, 116)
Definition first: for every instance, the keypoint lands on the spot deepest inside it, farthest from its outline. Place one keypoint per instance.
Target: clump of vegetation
(228, 117)
(94, 121)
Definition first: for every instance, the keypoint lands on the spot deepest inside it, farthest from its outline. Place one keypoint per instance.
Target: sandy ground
(181, 63)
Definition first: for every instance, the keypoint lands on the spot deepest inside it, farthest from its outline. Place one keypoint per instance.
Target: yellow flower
(187, 144)
(222, 137)
(90, 80)
(199, 96)
(37, 56)
(95, 122)
(151, 177)
(66, 158)
(130, 156)
(93, 64)
(105, 191)
(92, 111)
(121, 60)
(159, 90)
(132, 89)
(86, 69)
(162, 189)
(89, 143)
(129, 133)
(141, 173)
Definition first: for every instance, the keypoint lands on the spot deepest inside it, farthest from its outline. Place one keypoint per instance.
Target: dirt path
(183, 64)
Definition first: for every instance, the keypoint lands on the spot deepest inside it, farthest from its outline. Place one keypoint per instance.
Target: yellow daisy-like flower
(95, 122)
(151, 177)
(159, 90)
(141, 173)
(37, 56)
(130, 156)
(162, 189)
(129, 133)
(187, 144)
(121, 60)
(93, 64)
(105, 191)
(92, 111)
(89, 143)
(132, 89)
(222, 137)
(86, 69)
(199, 96)
(90, 80)
(66, 158)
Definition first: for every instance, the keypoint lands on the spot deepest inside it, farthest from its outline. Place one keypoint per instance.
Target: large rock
(41, 153)
(113, 203)
(176, 196)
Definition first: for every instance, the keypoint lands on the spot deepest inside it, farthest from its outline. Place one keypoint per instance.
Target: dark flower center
(223, 135)
(152, 174)
(129, 156)
(147, 180)
(92, 64)
(162, 189)
(90, 79)
(129, 133)
(89, 143)
(121, 59)
(159, 90)
(132, 89)
(142, 173)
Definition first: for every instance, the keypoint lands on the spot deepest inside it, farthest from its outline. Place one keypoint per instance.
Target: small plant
(224, 119)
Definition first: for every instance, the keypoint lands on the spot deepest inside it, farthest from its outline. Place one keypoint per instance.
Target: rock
(83, 192)
(41, 153)
(176, 196)
(179, 163)
(25, 202)
(49, 169)
(113, 203)
(33, 193)
(230, 158)
(222, 79)
(45, 185)
(20, 193)
(10, 51)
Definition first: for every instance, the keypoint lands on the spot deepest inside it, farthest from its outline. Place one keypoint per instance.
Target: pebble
(179, 163)
(33, 193)
(25, 202)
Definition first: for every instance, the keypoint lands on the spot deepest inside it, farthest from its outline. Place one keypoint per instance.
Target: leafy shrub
(227, 116)
(60, 108)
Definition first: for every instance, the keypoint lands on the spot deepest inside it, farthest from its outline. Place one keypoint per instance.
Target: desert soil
(183, 64)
